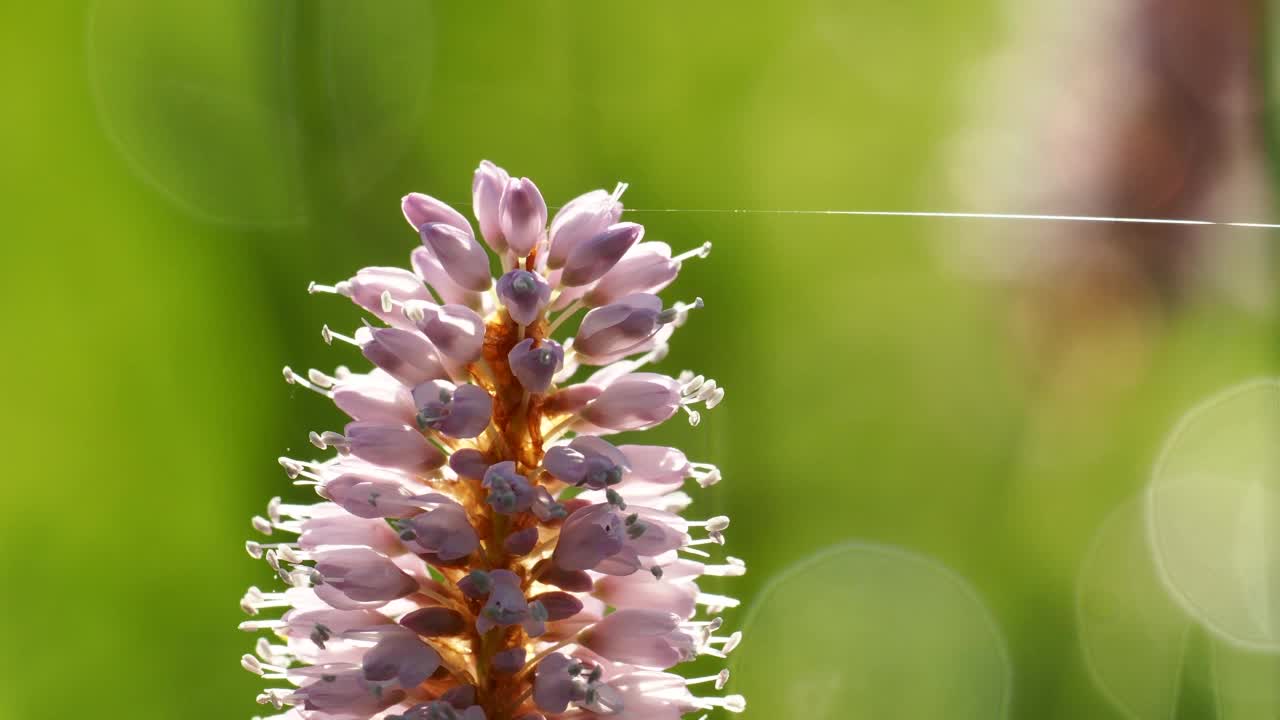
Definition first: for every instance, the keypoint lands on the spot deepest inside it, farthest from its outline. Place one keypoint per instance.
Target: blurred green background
(175, 174)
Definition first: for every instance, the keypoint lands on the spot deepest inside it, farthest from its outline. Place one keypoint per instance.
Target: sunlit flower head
(482, 551)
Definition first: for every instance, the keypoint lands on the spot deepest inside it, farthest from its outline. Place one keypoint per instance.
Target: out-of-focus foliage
(175, 174)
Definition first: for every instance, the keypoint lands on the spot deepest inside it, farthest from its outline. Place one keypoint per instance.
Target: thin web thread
(970, 216)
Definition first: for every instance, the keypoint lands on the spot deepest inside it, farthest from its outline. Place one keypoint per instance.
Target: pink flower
(448, 571)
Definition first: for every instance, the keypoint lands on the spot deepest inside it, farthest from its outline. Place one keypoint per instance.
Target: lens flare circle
(1212, 509)
(869, 630)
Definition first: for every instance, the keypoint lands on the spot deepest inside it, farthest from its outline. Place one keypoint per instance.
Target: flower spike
(480, 551)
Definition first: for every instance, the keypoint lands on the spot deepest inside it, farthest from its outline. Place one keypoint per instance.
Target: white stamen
(732, 569)
(701, 251)
(716, 603)
(386, 301)
(254, 549)
(267, 651)
(719, 523)
(343, 288)
(732, 703)
(328, 439)
(414, 311)
(657, 354)
(256, 625)
(320, 379)
(275, 697)
(261, 524)
(618, 190)
(731, 642)
(705, 475)
(715, 398)
(328, 335)
(251, 663)
(294, 379)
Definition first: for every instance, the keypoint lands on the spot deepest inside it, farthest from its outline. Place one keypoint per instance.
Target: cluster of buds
(482, 552)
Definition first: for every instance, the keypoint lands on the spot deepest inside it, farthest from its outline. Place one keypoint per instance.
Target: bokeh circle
(863, 630)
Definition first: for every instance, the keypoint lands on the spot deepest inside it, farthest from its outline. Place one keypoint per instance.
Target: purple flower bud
(521, 541)
(350, 576)
(559, 605)
(476, 584)
(581, 219)
(398, 446)
(648, 638)
(435, 621)
(318, 532)
(634, 402)
(570, 580)
(590, 260)
(324, 625)
(460, 697)
(656, 464)
(456, 331)
(343, 693)
(402, 659)
(461, 412)
(421, 210)
(535, 366)
(588, 537)
(374, 397)
(506, 604)
(509, 661)
(428, 267)
(509, 492)
(618, 327)
(646, 268)
(445, 531)
(370, 498)
(545, 507)
(462, 257)
(403, 354)
(565, 463)
(487, 186)
(524, 294)
(587, 460)
(523, 216)
(369, 284)
(468, 463)
(643, 590)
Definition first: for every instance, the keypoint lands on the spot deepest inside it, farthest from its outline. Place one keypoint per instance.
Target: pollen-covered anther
(705, 474)
(328, 439)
